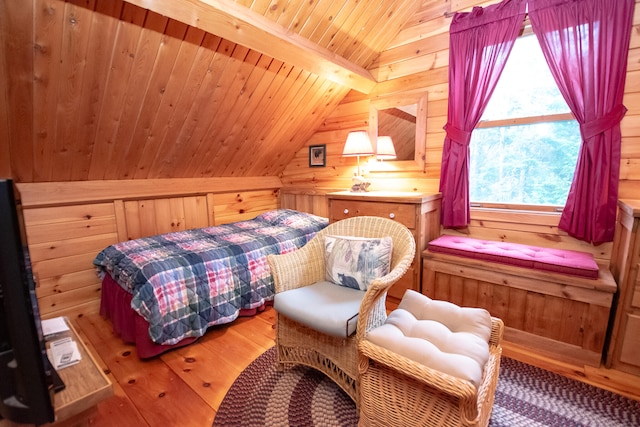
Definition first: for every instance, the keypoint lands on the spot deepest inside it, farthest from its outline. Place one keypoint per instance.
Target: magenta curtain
(586, 44)
(480, 42)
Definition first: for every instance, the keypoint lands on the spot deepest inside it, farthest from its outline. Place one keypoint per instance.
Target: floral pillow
(354, 262)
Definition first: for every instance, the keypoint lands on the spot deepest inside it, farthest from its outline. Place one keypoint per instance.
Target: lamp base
(360, 188)
(359, 184)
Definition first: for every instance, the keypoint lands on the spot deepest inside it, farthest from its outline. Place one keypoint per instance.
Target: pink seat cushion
(556, 260)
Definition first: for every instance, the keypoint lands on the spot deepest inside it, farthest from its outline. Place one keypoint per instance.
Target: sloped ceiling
(182, 88)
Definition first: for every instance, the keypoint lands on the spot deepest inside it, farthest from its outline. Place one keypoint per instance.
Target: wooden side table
(420, 212)
(85, 386)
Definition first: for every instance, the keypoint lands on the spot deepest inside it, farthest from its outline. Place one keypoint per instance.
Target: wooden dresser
(420, 212)
(624, 348)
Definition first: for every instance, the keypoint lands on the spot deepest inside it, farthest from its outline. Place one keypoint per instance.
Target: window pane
(526, 164)
(526, 87)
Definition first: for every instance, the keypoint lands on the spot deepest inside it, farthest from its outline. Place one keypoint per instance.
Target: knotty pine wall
(417, 61)
(67, 224)
(105, 89)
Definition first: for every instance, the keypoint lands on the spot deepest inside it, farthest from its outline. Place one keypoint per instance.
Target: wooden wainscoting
(67, 224)
(63, 241)
(557, 315)
(314, 203)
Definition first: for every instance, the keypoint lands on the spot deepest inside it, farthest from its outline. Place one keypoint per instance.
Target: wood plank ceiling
(125, 92)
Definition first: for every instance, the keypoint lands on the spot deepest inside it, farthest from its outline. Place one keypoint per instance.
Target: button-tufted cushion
(438, 334)
(555, 260)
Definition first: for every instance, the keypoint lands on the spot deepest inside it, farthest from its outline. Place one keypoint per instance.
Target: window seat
(547, 259)
(551, 304)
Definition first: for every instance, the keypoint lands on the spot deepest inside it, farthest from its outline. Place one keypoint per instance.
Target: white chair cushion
(438, 334)
(323, 306)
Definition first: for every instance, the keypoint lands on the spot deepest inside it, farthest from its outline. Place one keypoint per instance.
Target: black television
(26, 376)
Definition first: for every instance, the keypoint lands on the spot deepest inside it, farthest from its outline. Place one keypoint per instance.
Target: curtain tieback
(609, 120)
(457, 135)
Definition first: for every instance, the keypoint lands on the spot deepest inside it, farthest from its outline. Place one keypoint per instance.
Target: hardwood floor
(185, 387)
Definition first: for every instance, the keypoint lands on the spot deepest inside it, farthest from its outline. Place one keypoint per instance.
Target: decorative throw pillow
(355, 262)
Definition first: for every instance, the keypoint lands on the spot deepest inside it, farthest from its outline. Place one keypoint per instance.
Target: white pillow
(354, 262)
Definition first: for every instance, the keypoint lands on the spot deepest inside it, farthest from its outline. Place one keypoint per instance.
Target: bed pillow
(292, 218)
(355, 262)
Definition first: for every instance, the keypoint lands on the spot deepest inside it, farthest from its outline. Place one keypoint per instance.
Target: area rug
(526, 396)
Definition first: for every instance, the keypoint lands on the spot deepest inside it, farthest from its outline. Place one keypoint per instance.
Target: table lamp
(358, 144)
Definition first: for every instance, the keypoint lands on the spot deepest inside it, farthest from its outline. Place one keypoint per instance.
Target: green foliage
(528, 164)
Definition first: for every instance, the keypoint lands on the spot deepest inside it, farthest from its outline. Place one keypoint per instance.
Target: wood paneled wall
(67, 225)
(63, 241)
(104, 89)
(417, 61)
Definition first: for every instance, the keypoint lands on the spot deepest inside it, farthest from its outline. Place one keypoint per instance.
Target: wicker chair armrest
(373, 311)
(497, 332)
(489, 381)
(298, 268)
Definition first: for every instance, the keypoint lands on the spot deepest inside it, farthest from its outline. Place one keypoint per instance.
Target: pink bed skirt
(115, 304)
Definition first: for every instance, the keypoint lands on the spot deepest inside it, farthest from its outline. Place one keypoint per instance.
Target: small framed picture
(317, 156)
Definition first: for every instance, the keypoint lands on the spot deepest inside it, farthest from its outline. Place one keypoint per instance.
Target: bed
(164, 291)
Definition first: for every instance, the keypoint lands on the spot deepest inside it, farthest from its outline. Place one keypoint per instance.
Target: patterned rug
(526, 396)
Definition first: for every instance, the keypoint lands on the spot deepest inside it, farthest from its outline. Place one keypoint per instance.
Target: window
(524, 149)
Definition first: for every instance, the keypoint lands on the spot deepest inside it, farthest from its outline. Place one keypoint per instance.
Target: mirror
(404, 119)
(400, 124)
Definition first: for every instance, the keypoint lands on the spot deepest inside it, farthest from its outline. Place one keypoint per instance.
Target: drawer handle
(346, 212)
(392, 215)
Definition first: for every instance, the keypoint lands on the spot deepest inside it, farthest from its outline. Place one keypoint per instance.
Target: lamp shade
(385, 149)
(358, 144)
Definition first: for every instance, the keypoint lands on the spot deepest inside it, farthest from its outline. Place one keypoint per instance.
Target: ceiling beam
(240, 25)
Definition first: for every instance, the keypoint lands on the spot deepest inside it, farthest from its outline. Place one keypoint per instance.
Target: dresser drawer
(403, 213)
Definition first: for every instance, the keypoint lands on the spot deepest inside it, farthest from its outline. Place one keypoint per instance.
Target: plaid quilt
(184, 282)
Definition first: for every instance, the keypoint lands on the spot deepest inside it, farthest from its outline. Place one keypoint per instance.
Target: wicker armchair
(336, 357)
(396, 390)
